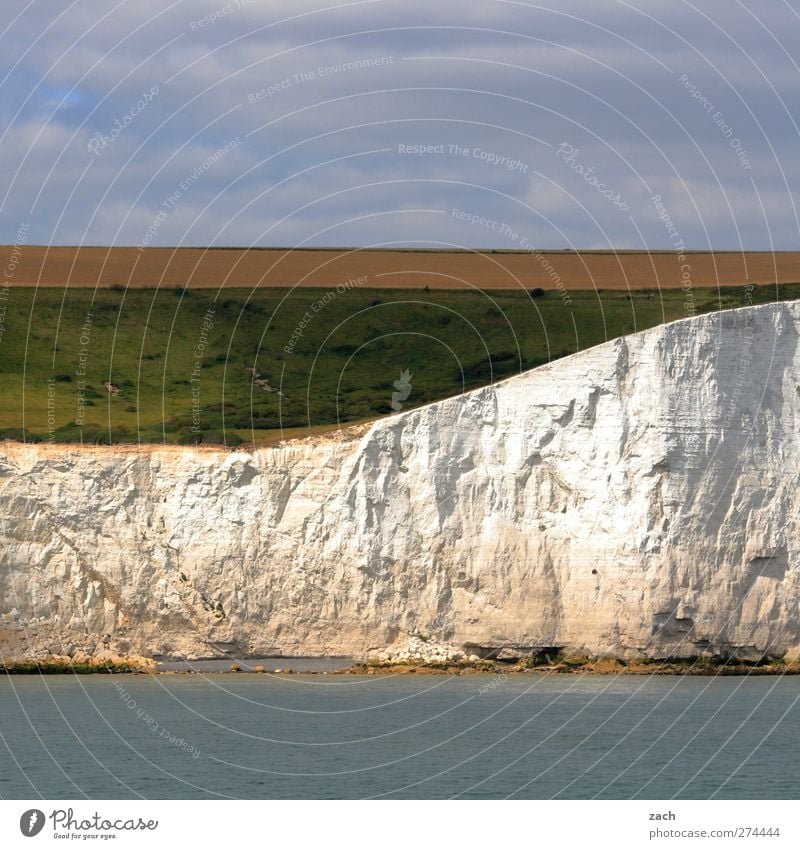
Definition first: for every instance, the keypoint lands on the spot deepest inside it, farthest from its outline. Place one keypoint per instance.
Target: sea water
(345, 736)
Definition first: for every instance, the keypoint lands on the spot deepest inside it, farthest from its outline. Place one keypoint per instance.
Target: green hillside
(186, 366)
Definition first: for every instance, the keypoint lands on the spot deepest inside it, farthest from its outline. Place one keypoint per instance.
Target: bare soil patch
(200, 268)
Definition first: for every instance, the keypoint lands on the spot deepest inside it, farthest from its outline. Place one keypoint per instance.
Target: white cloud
(601, 84)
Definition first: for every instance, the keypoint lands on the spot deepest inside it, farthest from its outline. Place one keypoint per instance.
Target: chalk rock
(637, 498)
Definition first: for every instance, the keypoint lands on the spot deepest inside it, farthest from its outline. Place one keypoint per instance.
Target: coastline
(703, 667)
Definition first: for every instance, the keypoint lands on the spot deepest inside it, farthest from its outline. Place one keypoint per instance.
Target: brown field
(389, 269)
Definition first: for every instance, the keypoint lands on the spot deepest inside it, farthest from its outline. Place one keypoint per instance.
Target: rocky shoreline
(688, 667)
(77, 665)
(414, 655)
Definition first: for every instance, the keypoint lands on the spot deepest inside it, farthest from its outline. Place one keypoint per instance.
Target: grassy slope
(342, 369)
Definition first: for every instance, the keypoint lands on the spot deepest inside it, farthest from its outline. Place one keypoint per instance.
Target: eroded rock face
(639, 498)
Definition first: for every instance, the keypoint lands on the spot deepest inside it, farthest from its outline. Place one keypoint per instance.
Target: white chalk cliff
(638, 498)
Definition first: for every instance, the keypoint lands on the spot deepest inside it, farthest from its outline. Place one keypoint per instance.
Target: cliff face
(639, 498)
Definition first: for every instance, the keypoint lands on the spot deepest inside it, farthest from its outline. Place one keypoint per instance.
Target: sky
(444, 123)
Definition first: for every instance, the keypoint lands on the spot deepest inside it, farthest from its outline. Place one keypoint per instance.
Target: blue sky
(475, 124)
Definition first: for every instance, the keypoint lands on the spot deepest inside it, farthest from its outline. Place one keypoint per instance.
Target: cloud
(694, 104)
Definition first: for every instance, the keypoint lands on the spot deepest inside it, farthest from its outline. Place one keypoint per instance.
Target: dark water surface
(315, 736)
(248, 664)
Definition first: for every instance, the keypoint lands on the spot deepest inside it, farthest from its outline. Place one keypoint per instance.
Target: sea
(228, 735)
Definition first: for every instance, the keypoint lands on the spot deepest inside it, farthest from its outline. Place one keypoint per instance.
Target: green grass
(341, 369)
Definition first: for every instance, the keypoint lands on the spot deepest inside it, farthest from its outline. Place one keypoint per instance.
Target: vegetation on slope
(234, 365)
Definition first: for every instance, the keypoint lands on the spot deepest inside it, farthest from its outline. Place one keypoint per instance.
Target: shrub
(210, 437)
(19, 435)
